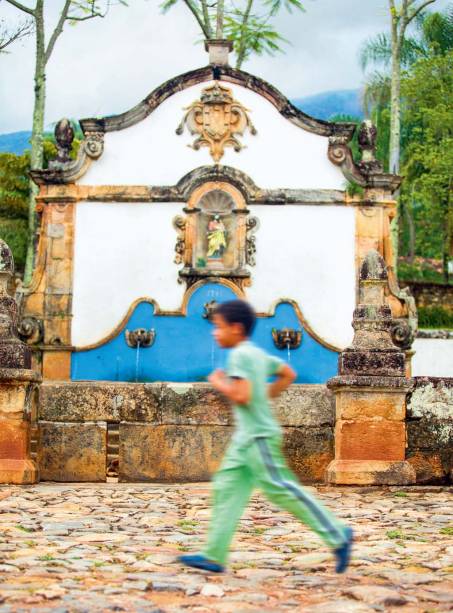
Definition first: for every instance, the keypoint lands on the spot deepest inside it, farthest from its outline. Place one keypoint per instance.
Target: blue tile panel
(184, 349)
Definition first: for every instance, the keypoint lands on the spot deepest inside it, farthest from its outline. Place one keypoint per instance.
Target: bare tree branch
(21, 7)
(193, 9)
(416, 11)
(7, 37)
(93, 11)
(58, 30)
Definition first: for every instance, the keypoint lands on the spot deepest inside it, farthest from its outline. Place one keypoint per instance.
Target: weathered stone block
(14, 440)
(370, 440)
(369, 404)
(430, 467)
(72, 451)
(13, 399)
(375, 363)
(369, 222)
(193, 403)
(56, 365)
(433, 434)
(305, 405)
(93, 401)
(309, 451)
(370, 472)
(170, 452)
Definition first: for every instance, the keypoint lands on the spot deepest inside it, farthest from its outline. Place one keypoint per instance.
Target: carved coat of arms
(217, 118)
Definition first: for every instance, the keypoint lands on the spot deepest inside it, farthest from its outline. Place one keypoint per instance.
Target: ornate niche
(215, 237)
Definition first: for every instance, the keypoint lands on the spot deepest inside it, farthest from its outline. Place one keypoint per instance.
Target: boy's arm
(237, 390)
(285, 376)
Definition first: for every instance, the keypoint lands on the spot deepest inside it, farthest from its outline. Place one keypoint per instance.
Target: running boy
(254, 457)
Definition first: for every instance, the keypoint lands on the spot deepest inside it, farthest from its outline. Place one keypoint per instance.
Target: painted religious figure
(217, 242)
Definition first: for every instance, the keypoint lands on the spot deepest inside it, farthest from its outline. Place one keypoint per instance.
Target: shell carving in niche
(217, 119)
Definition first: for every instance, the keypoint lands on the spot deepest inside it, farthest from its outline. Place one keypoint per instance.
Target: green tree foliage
(421, 221)
(14, 196)
(248, 23)
(428, 165)
(14, 193)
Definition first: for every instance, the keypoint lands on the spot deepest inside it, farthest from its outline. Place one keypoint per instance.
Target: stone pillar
(17, 385)
(47, 302)
(370, 393)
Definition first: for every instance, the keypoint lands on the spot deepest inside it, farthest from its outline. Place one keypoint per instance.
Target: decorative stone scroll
(63, 169)
(216, 237)
(368, 172)
(218, 120)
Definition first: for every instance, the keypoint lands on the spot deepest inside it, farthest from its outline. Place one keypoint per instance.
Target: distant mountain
(321, 106)
(327, 104)
(15, 142)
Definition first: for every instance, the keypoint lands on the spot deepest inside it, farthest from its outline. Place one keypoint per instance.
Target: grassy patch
(24, 528)
(400, 494)
(46, 558)
(435, 317)
(187, 523)
(447, 530)
(399, 536)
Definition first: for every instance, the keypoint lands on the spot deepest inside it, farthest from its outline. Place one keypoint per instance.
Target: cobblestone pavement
(111, 547)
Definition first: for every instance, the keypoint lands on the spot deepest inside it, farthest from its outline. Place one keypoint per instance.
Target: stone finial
(372, 278)
(13, 353)
(218, 49)
(372, 351)
(367, 137)
(64, 135)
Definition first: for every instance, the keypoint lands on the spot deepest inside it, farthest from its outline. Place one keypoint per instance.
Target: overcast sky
(102, 67)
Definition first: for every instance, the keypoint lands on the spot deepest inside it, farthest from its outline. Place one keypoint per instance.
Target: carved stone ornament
(404, 329)
(252, 225)
(209, 308)
(367, 144)
(140, 337)
(31, 330)
(179, 224)
(217, 119)
(287, 338)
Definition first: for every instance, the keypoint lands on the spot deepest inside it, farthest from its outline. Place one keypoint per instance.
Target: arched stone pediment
(217, 73)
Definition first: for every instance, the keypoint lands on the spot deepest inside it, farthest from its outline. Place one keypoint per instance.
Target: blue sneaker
(199, 561)
(343, 553)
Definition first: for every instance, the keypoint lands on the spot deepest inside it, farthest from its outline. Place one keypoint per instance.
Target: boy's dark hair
(238, 312)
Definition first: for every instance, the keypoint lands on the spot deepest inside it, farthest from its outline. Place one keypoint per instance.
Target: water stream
(137, 361)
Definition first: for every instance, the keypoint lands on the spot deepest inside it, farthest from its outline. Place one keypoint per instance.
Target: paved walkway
(111, 547)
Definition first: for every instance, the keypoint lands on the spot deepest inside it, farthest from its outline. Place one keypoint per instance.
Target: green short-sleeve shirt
(254, 419)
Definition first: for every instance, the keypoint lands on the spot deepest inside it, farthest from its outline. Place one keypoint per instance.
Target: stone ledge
(440, 334)
(383, 383)
(172, 403)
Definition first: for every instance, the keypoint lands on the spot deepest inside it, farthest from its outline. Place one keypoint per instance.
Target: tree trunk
(242, 47)
(220, 16)
(395, 113)
(408, 213)
(395, 124)
(36, 156)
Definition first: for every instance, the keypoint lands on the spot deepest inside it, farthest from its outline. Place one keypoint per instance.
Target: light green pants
(262, 465)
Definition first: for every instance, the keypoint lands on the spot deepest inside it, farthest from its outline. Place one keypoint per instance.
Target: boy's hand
(237, 390)
(285, 377)
(217, 378)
